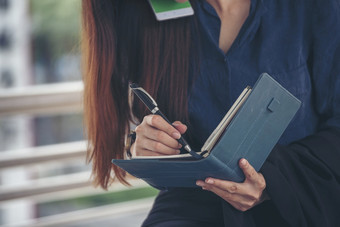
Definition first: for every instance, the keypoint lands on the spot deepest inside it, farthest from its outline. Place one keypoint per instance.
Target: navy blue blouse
(295, 41)
(298, 43)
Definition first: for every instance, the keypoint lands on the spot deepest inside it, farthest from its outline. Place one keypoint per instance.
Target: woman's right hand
(155, 136)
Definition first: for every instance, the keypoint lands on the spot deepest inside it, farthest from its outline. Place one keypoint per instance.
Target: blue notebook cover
(251, 134)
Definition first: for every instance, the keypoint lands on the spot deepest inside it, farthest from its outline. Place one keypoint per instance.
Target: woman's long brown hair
(122, 42)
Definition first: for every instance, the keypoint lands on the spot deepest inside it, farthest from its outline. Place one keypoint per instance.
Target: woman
(195, 67)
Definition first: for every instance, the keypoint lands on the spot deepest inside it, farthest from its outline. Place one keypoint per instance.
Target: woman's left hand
(242, 196)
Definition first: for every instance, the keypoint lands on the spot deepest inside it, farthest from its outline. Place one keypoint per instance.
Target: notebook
(250, 130)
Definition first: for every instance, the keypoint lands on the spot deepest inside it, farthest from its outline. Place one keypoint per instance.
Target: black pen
(153, 107)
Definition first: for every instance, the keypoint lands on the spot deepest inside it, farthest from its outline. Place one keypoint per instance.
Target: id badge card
(170, 9)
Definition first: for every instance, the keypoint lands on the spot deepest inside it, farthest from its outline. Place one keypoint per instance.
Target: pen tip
(187, 148)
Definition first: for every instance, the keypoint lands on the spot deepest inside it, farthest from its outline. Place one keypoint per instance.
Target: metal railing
(60, 98)
(125, 210)
(39, 99)
(29, 156)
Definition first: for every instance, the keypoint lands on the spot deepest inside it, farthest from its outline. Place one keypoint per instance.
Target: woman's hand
(241, 196)
(155, 136)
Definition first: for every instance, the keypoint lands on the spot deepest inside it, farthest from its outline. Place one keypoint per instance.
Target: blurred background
(44, 178)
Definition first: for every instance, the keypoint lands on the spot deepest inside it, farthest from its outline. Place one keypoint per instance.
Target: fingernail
(176, 135)
(210, 181)
(243, 162)
(175, 124)
(198, 183)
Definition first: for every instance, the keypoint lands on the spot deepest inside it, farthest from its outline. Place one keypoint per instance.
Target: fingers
(138, 151)
(155, 136)
(182, 128)
(242, 196)
(229, 186)
(159, 123)
(155, 146)
(236, 200)
(237, 194)
(143, 152)
(251, 174)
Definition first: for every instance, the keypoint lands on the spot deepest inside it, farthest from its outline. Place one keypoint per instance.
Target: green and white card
(170, 9)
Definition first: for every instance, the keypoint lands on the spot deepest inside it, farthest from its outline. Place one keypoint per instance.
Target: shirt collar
(250, 26)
